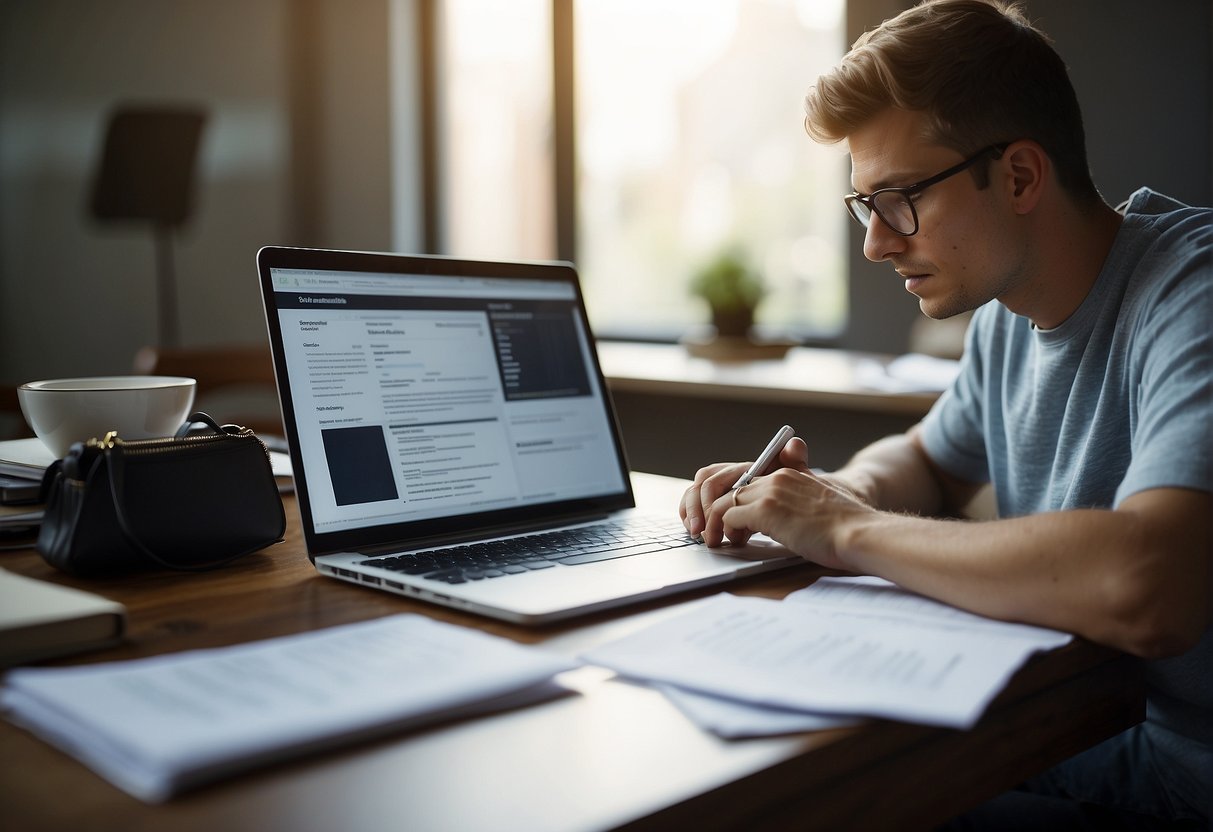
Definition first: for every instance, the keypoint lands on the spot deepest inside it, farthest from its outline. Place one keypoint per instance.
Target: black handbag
(192, 501)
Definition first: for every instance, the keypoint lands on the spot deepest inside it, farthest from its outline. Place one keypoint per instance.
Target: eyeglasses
(895, 207)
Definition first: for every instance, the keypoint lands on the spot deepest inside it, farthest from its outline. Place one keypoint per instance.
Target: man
(1085, 394)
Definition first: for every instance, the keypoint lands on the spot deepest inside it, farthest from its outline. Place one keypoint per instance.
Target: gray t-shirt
(1116, 400)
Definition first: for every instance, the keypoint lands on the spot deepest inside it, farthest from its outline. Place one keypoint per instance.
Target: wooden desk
(617, 755)
(678, 412)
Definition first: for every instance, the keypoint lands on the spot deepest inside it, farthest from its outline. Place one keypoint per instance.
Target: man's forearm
(1127, 578)
(893, 475)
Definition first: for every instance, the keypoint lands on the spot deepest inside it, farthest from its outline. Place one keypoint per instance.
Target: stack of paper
(22, 464)
(20, 518)
(26, 458)
(156, 726)
(841, 648)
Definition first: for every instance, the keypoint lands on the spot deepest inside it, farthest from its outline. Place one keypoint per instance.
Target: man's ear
(1028, 167)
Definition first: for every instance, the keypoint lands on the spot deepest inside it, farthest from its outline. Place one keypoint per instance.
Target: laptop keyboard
(567, 547)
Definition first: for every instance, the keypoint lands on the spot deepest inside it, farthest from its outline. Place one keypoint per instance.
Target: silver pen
(766, 457)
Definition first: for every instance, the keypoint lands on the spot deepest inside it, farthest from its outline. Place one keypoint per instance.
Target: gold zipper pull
(106, 442)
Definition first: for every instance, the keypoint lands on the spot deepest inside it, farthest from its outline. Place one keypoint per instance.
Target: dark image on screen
(538, 352)
(359, 466)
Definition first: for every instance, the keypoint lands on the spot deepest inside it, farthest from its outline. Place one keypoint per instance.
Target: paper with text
(800, 656)
(733, 720)
(156, 726)
(877, 598)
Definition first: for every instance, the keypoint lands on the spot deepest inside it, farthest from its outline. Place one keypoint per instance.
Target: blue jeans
(1123, 783)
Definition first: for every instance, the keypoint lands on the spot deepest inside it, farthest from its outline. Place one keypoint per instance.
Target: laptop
(452, 439)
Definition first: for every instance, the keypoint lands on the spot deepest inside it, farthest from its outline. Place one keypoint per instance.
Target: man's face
(961, 257)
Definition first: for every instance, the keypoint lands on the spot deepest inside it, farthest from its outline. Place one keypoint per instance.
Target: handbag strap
(115, 464)
(205, 420)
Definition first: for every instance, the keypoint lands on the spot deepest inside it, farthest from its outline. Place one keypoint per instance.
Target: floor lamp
(146, 173)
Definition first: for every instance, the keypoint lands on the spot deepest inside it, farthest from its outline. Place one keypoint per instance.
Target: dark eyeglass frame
(862, 206)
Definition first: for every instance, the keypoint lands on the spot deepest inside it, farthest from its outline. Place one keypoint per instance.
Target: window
(495, 150)
(688, 140)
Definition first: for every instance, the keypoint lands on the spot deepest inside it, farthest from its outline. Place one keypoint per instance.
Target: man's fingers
(691, 512)
(704, 504)
(735, 529)
(795, 454)
(693, 508)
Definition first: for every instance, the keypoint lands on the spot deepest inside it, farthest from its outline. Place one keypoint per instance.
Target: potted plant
(732, 288)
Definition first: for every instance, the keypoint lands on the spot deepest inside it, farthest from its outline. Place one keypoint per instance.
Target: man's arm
(1136, 578)
(896, 474)
(893, 473)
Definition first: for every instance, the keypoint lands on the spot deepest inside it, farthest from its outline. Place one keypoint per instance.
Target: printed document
(734, 720)
(879, 652)
(878, 599)
(156, 726)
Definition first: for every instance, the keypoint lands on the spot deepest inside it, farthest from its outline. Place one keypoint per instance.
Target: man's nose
(880, 242)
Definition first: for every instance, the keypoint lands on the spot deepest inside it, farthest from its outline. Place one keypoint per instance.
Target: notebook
(42, 620)
(452, 439)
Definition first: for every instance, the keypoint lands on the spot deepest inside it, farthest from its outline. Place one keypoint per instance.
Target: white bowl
(66, 410)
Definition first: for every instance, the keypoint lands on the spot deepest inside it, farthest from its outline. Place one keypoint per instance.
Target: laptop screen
(429, 397)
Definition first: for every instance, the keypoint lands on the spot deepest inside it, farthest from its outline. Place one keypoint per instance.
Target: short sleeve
(1172, 444)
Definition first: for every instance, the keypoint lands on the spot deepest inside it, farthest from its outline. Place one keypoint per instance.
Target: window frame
(432, 233)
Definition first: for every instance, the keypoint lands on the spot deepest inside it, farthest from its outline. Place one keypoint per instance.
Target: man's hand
(715, 480)
(790, 505)
(803, 511)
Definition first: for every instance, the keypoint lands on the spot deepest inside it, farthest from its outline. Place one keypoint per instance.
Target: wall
(1144, 77)
(296, 151)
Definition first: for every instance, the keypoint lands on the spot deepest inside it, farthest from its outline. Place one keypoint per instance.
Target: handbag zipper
(144, 446)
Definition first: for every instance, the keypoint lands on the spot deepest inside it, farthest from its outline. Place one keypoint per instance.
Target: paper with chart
(156, 726)
(860, 658)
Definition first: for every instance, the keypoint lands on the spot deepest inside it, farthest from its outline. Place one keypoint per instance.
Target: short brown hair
(978, 69)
